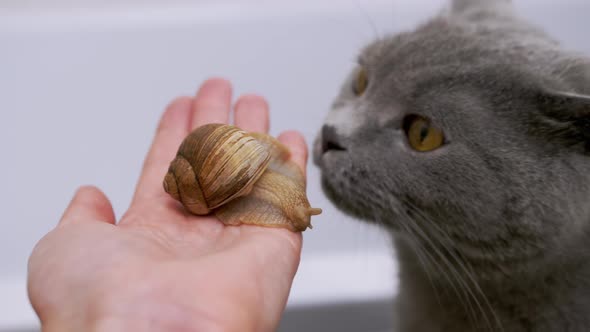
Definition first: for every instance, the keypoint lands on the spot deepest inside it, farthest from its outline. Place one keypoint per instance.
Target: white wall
(82, 86)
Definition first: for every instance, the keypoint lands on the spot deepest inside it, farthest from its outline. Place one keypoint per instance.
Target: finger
(251, 113)
(88, 204)
(296, 144)
(172, 129)
(212, 103)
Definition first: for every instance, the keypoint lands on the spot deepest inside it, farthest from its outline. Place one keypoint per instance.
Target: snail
(241, 177)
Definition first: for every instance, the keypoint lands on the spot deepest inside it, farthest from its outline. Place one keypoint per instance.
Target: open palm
(159, 268)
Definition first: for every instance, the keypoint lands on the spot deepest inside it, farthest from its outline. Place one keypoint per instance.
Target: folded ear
(459, 7)
(568, 116)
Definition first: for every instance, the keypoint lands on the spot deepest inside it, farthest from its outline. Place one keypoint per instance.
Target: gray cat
(469, 140)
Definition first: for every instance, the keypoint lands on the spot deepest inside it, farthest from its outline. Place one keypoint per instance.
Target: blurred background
(83, 83)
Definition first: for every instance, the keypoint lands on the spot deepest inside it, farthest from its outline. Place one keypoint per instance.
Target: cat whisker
(424, 258)
(368, 18)
(461, 264)
(463, 291)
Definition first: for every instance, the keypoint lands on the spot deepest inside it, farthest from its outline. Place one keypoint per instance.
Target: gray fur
(492, 229)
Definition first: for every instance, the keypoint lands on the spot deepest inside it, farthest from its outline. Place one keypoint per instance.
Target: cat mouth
(327, 142)
(331, 146)
(331, 141)
(324, 151)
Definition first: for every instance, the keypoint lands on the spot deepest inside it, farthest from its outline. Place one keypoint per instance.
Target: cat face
(456, 132)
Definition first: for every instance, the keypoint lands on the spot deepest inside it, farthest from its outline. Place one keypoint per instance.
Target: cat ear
(569, 115)
(460, 7)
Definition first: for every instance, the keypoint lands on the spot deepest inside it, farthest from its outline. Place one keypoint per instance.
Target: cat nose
(331, 140)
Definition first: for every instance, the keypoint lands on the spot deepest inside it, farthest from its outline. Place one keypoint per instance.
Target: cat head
(473, 129)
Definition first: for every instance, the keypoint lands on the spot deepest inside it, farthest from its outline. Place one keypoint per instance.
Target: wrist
(149, 316)
(121, 324)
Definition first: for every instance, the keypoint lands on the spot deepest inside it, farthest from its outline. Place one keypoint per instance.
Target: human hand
(159, 268)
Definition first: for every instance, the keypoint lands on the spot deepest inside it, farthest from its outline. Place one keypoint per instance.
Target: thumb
(89, 203)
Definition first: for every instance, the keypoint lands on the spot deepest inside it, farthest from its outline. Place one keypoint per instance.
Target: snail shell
(244, 178)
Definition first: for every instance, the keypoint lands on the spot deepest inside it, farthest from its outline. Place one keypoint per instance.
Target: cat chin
(341, 188)
(337, 196)
(355, 207)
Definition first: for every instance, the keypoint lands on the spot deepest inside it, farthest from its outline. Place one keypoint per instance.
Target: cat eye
(422, 136)
(361, 82)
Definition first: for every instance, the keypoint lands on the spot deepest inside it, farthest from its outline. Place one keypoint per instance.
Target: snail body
(243, 178)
